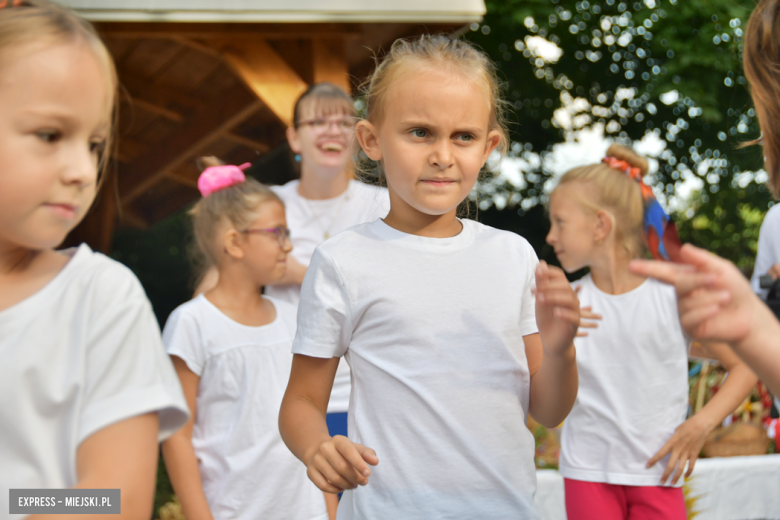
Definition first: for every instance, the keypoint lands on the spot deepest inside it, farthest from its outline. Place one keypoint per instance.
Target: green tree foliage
(664, 67)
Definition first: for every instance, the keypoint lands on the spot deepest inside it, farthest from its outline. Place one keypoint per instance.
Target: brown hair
(762, 68)
(234, 206)
(446, 53)
(329, 98)
(40, 21)
(612, 190)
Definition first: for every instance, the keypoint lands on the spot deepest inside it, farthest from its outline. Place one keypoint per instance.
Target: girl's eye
(466, 137)
(49, 136)
(97, 147)
(419, 132)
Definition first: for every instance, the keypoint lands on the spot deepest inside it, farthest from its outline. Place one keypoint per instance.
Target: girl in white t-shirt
(231, 349)
(87, 388)
(448, 347)
(627, 434)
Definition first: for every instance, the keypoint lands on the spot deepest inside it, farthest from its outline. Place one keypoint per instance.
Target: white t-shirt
(433, 331)
(247, 471)
(309, 221)
(81, 354)
(768, 248)
(633, 393)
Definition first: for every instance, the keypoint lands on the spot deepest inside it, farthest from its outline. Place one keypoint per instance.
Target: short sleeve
(127, 370)
(528, 307)
(768, 239)
(324, 324)
(182, 338)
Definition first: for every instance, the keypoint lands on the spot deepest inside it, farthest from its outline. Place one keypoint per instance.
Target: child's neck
(409, 220)
(240, 300)
(24, 272)
(322, 185)
(611, 275)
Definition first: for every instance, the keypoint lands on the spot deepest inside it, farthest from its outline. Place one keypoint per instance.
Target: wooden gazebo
(220, 78)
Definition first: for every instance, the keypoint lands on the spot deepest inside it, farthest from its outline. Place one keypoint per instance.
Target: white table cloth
(732, 488)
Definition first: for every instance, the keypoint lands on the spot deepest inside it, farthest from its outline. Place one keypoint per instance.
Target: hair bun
(624, 153)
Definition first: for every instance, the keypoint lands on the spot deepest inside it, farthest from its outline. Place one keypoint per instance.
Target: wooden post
(266, 74)
(330, 62)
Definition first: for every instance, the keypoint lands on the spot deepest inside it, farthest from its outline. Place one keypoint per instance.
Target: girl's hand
(715, 300)
(774, 271)
(587, 314)
(341, 464)
(557, 309)
(684, 446)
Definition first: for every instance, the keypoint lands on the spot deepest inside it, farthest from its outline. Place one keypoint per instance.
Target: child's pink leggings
(599, 501)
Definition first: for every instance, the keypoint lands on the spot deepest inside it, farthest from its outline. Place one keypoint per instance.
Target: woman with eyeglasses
(324, 201)
(715, 301)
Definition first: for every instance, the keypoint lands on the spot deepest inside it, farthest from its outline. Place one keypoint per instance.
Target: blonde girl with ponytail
(626, 443)
(231, 349)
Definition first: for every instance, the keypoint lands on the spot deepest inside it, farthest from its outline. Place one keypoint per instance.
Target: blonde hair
(40, 21)
(761, 60)
(234, 206)
(615, 192)
(444, 53)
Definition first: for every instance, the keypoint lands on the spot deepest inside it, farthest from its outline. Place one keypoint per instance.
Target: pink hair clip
(215, 178)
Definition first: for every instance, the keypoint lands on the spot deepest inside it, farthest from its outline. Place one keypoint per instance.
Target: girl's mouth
(65, 211)
(439, 183)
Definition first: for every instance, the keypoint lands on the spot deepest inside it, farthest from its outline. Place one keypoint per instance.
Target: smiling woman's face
(55, 103)
(323, 139)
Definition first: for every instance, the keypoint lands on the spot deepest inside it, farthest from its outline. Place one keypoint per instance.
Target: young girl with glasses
(626, 443)
(448, 346)
(231, 349)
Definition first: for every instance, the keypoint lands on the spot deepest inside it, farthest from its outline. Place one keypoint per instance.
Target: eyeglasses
(319, 125)
(282, 233)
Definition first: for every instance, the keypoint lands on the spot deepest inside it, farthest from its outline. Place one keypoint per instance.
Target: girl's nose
(442, 155)
(80, 167)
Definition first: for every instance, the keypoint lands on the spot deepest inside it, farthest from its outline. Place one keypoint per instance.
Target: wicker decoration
(737, 440)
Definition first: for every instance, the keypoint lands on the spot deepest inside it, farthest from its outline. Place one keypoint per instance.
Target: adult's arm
(717, 303)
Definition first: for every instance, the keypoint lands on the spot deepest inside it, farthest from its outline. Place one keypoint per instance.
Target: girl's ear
(366, 134)
(233, 244)
(293, 139)
(493, 140)
(604, 225)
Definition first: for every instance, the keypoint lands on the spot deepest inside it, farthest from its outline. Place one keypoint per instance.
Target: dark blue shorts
(337, 423)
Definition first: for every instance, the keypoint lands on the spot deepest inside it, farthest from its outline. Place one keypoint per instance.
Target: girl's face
(573, 231)
(265, 252)
(433, 139)
(56, 117)
(324, 142)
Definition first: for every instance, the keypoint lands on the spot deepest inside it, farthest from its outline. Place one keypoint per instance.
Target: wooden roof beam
(206, 125)
(266, 74)
(153, 108)
(253, 145)
(330, 62)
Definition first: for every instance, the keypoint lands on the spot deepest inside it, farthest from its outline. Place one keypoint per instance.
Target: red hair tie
(14, 3)
(660, 231)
